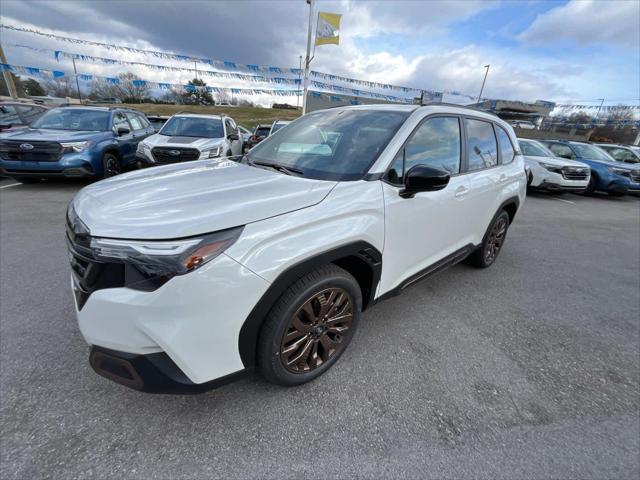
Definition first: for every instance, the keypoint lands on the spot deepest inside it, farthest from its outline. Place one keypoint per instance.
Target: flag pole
(308, 59)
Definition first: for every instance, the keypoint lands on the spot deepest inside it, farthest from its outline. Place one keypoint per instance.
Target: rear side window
(263, 131)
(481, 144)
(436, 143)
(507, 153)
(561, 150)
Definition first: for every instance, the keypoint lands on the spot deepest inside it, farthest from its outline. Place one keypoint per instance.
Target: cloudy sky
(577, 50)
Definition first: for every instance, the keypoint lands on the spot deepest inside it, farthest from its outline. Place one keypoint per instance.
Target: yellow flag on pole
(328, 29)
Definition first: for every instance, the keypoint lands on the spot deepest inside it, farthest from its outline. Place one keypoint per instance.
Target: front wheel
(309, 327)
(492, 242)
(591, 186)
(110, 165)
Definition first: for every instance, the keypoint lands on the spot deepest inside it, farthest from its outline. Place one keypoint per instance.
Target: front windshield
(331, 144)
(534, 149)
(74, 119)
(589, 151)
(199, 127)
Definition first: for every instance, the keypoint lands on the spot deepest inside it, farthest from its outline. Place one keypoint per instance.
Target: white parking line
(12, 185)
(563, 200)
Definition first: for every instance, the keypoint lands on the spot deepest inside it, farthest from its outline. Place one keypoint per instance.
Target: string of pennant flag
(221, 65)
(57, 74)
(251, 73)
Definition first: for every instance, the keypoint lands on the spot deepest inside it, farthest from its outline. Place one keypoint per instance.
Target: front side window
(507, 153)
(231, 127)
(30, 113)
(481, 144)
(9, 115)
(436, 143)
(143, 120)
(561, 150)
(134, 121)
(330, 144)
(120, 121)
(74, 119)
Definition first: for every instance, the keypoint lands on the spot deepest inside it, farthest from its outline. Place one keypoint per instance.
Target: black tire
(111, 165)
(495, 236)
(28, 180)
(288, 311)
(591, 186)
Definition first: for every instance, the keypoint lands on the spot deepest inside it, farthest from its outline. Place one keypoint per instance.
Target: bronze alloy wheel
(317, 331)
(496, 239)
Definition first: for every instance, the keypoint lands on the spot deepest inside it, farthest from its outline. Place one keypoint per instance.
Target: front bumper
(194, 319)
(543, 179)
(152, 373)
(74, 165)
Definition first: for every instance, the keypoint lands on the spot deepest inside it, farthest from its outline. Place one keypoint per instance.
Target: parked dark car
(74, 142)
(259, 133)
(14, 115)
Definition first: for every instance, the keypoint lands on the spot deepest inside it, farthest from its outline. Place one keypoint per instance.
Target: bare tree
(619, 113)
(60, 87)
(130, 93)
(223, 96)
(101, 88)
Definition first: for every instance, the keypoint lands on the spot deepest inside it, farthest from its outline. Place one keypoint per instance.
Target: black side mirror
(424, 179)
(233, 136)
(123, 131)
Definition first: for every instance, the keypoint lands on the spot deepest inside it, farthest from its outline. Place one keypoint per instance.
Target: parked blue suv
(607, 175)
(80, 141)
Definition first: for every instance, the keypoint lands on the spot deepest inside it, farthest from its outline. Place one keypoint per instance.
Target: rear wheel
(492, 243)
(110, 165)
(309, 327)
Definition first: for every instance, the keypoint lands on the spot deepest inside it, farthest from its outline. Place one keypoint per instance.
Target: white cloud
(588, 22)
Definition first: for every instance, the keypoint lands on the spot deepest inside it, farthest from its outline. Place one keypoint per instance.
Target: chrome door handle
(461, 192)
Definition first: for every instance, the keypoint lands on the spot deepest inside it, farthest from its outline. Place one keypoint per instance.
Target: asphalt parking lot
(529, 369)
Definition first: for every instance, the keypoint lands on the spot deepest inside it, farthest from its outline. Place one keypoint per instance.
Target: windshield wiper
(278, 167)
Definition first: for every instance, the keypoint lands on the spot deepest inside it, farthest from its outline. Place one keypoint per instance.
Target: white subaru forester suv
(188, 276)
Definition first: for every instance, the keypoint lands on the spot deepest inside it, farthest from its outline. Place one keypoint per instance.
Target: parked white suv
(187, 276)
(188, 136)
(551, 173)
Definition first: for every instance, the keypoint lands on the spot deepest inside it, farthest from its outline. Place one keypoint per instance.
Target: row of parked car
(561, 166)
(95, 141)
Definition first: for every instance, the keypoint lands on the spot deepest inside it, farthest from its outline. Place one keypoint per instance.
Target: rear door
(423, 230)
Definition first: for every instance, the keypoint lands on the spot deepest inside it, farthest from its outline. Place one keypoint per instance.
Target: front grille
(573, 173)
(89, 274)
(30, 150)
(635, 176)
(164, 155)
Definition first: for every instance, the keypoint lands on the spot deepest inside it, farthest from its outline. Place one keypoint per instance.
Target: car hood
(35, 134)
(192, 198)
(190, 142)
(612, 163)
(556, 161)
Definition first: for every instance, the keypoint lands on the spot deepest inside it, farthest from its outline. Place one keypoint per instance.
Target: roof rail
(449, 104)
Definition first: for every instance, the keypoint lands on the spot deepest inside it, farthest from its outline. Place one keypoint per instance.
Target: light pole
(483, 82)
(299, 82)
(73, 59)
(598, 112)
(308, 59)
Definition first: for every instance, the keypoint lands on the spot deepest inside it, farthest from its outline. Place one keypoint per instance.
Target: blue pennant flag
(139, 83)
(57, 73)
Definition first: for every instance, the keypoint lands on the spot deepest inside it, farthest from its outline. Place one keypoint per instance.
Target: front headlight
(551, 168)
(211, 153)
(619, 171)
(164, 259)
(70, 147)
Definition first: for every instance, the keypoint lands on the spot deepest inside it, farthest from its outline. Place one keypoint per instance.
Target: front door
(423, 230)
